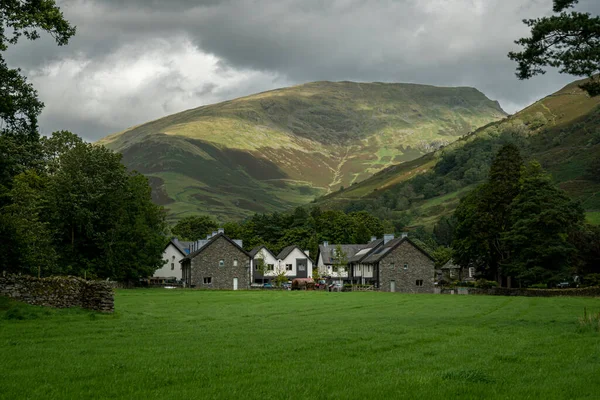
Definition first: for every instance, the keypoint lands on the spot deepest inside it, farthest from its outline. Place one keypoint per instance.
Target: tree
(542, 218)
(261, 267)
(105, 224)
(483, 216)
(194, 227)
(568, 41)
(340, 261)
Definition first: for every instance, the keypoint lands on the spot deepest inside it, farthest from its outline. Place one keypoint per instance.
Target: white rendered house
(172, 255)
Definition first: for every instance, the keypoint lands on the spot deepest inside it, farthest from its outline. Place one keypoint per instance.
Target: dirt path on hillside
(337, 176)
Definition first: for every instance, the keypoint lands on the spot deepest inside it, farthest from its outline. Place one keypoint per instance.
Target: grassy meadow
(164, 344)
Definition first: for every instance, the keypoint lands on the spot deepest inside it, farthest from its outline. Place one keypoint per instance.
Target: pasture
(163, 344)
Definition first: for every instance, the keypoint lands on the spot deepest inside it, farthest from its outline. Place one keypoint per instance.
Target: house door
(301, 268)
(392, 286)
(235, 283)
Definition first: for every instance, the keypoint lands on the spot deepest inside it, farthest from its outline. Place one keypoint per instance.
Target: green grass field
(192, 344)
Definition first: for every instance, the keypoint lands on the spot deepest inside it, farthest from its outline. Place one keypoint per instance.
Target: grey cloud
(441, 42)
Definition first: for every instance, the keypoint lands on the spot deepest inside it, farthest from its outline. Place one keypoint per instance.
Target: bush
(538, 286)
(592, 280)
(485, 284)
(466, 284)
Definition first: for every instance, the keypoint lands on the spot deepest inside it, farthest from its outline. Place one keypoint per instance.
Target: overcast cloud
(137, 60)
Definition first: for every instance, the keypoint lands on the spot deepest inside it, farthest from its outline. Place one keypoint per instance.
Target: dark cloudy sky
(137, 60)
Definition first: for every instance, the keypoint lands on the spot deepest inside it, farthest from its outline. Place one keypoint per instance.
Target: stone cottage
(217, 263)
(402, 266)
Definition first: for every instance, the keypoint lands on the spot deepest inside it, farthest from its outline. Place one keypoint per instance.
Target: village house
(296, 262)
(292, 261)
(260, 255)
(217, 263)
(174, 252)
(400, 265)
(328, 259)
(451, 272)
(360, 273)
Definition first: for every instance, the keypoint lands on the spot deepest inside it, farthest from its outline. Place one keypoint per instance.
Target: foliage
(539, 286)
(593, 170)
(568, 41)
(485, 284)
(483, 216)
(542, 217)
(194, 227)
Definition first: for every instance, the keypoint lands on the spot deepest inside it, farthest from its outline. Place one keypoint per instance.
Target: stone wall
(59, 292)
(419, 268)
(581, 292)
(205, 266)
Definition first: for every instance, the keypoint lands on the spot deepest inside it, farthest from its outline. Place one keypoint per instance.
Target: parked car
(268, 286)
(286, 286)
(336, 287)
(321, 284)
(563, 285)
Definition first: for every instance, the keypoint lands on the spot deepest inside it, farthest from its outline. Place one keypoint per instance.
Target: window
(420, 282)
(368, 268)
(471, 272)
(235, 262)
(172, 266)
(221, 263)
(405, 267)
(452, 273)
(207, 281)
(392, 265)
(288, 267)
(270, 267)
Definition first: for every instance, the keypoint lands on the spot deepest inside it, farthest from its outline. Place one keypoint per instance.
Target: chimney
(387, 237)
(373, 238)
(214, 234)
(325, 243)
(221, 231)
(404, 234)
(176, 240)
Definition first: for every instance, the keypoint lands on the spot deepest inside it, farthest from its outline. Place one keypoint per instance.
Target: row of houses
(219, 262)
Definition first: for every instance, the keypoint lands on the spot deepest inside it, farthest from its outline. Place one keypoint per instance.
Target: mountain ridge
(283, 147)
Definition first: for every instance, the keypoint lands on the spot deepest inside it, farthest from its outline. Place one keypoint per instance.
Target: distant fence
(578, 292)
(59, 292)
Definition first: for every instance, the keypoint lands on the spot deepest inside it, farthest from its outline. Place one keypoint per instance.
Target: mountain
(562, 131)
(282, 148)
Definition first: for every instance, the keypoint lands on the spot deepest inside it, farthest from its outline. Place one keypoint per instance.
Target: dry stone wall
(59, 292)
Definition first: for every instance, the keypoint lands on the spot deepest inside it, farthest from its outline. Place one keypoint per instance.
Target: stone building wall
(59, 292)
(206, 265)
(419, 268)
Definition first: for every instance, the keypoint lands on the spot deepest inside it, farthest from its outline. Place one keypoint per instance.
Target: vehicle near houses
(268, 286)
(321, 284)
(336, 287)
(303, 284)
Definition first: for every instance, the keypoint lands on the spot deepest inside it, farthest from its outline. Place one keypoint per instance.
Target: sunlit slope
(281, 148)
(563, 133)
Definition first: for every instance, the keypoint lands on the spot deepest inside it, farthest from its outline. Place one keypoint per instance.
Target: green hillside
(273, 150)
(562, 131)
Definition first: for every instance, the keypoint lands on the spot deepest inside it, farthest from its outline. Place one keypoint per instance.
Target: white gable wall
(268, 259)
(291, 259)
(172, 267)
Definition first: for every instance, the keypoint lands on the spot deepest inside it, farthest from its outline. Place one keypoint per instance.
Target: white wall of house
(171, 267)
(365, 271)
(291, 260)
(269, 260)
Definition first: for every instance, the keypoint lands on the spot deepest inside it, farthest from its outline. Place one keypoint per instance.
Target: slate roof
(363, 253)
(255, 251)
(450, 265)
(381, 252)
(209, 242)
(349, 249)
(183, 247)
(287, 250)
